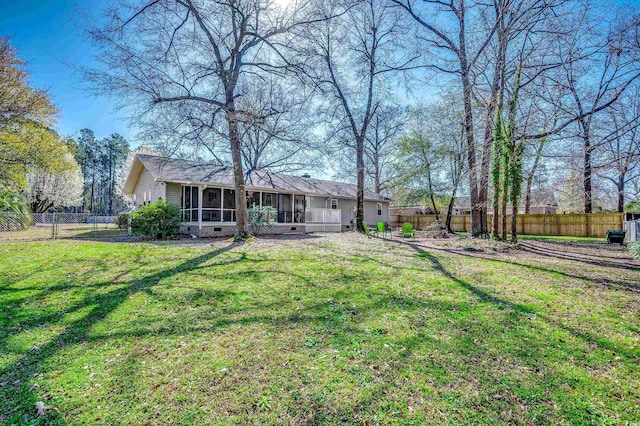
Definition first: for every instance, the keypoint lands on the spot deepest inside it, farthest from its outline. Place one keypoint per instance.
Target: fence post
(53, 225)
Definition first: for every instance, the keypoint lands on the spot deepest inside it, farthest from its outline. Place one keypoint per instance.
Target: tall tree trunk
(84, 182)
(494, 105)
(476, 210)
(514, 222)
(450, 210)
(111, 178)
(621, 185)
(378, 186)
(588, 192)
(93, 185)
(496, 201)
(536, 161)
(242, 222)
(498, 170)
(505, 198)
(360, 191)
(433, 200)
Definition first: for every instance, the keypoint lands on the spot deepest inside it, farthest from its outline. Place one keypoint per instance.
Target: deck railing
(318, 215)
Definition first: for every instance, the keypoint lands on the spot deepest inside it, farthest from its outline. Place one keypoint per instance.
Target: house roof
(166, 169)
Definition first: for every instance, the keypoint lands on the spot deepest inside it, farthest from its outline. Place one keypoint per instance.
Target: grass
(42, 232)
(333, 330)
(550, 238)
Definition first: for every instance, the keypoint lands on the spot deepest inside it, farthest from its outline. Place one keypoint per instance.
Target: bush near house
(157, 220)
(261, 217)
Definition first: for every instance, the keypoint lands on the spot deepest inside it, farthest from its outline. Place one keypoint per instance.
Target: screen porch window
(189, 203)
(218, 205)
(211, 205)
(285, 208)
(299, 208)
(229, 205)
(269, 199)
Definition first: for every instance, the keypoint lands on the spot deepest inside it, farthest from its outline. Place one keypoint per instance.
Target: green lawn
(332, 330)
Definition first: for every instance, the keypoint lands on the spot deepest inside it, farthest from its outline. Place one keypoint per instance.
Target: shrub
(260, 217)
(158, 220)
(122, 220)
(634, 248)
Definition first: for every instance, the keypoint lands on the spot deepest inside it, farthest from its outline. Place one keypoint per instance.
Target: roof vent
(306, 175)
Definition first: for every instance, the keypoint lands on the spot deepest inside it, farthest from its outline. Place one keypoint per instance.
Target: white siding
(348, 206)
(371, 212)
(147, 188)
(174, 193)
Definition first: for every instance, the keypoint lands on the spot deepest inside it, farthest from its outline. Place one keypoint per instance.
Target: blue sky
(47, 35)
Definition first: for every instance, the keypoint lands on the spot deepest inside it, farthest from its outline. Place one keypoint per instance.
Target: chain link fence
(45, 226)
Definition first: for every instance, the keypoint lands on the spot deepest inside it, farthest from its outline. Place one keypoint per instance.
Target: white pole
(200, 190)
(221, 204)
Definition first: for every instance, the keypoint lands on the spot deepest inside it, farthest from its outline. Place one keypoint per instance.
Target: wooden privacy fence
(569, 225)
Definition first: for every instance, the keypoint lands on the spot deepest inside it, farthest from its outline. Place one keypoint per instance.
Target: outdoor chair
(407, 231)
(382, 228)
(370, 232)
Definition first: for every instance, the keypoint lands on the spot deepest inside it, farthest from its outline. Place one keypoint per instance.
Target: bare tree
(381, 145)
(431, 160)
(621, 148)
(189, 59)
(537, 156)
(347, 60)
(445, 27)
(283, 140)
(599, 62)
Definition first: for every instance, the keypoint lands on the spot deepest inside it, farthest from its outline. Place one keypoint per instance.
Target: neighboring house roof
(166, 169)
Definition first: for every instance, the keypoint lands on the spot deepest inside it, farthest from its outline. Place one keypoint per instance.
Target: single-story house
(206, 196)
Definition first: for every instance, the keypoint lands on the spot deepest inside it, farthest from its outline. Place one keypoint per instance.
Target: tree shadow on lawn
(612, 283)
(631, 354)
(614, 263)
(339, 324)
(12, 308)
(101, 306)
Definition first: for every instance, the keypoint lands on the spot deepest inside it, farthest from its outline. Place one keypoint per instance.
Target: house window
(379, 206)
(334, 204)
